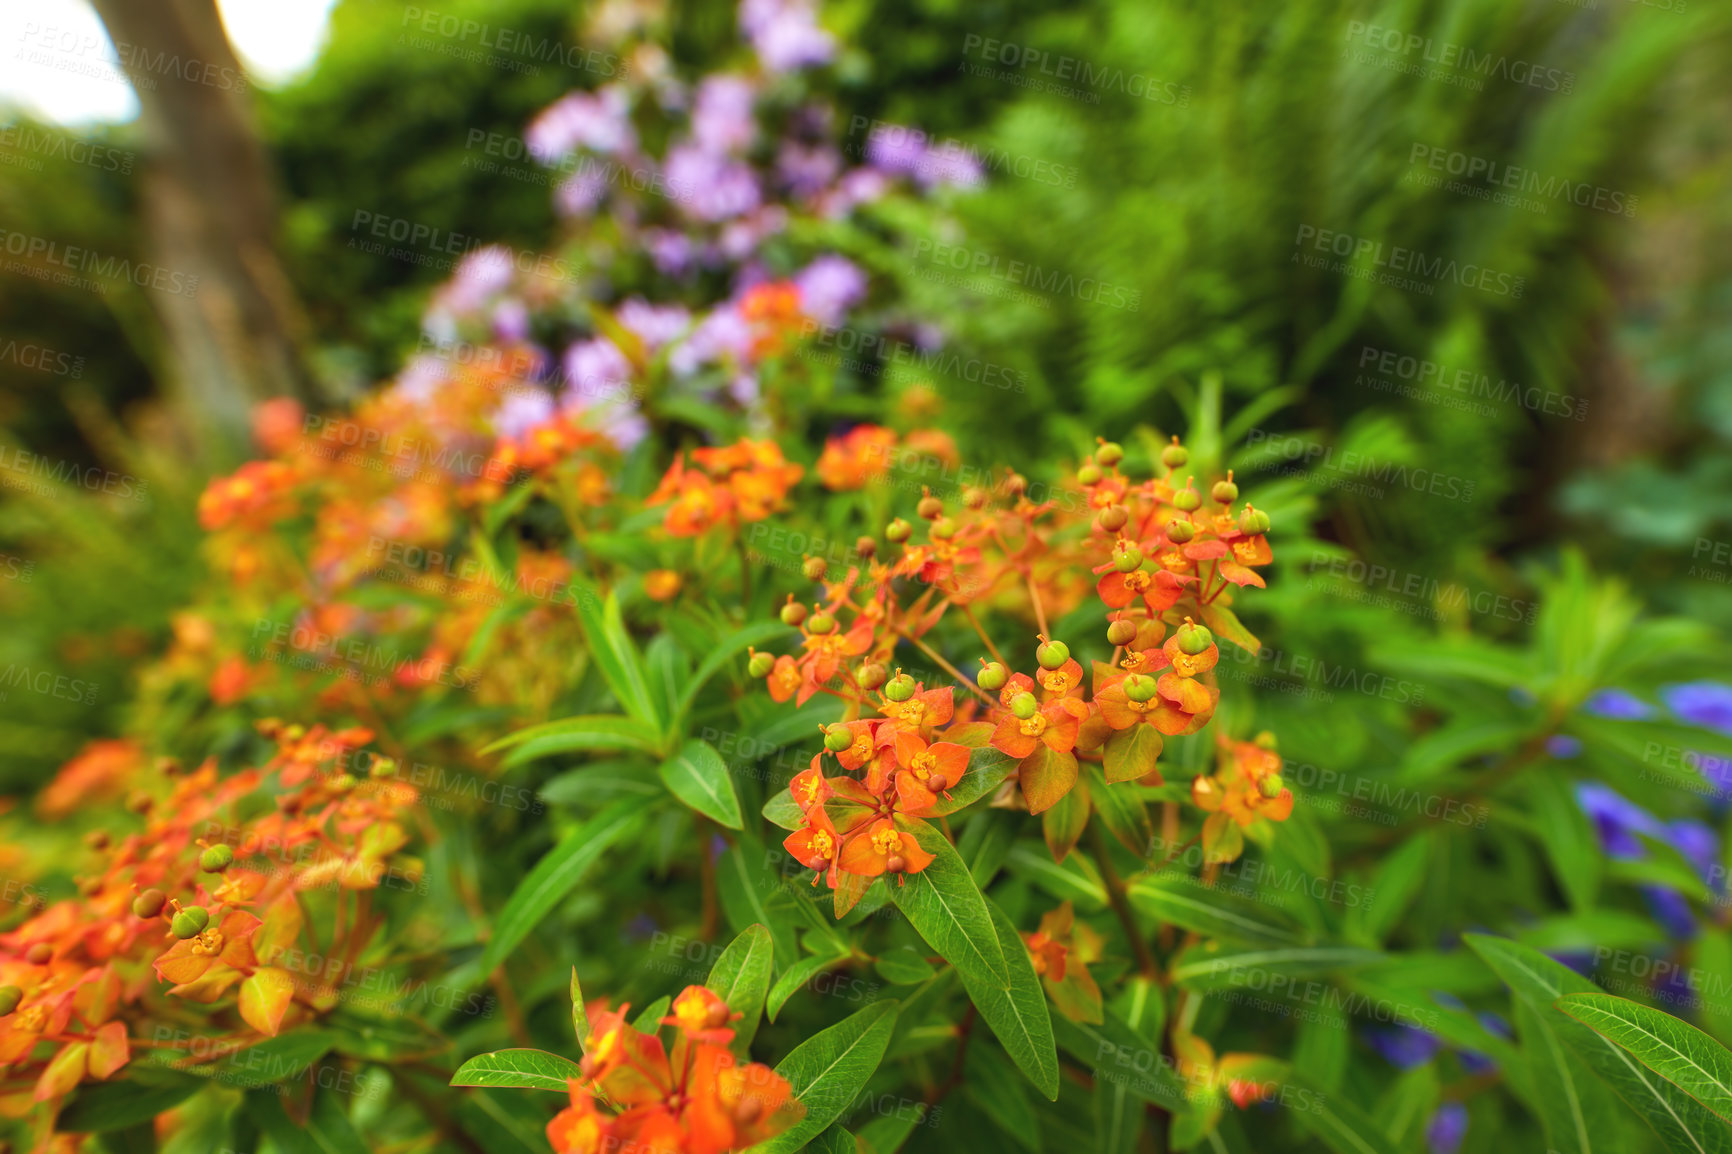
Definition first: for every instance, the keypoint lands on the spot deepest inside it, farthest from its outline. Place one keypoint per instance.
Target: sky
(53, 62)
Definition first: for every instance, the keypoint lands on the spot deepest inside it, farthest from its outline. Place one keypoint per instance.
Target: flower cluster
(205, 899)
(698, 1100)
(729, 486)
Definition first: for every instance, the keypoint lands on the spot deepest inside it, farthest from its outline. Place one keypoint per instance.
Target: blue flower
(1448, 1126)
(1617, 819)
(1699, 844)
(1618, 706)
(1704, 703)
(1562, 746)
(1671, 910)
(1404, 1047)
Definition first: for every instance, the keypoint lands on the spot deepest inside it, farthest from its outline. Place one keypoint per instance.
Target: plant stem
(1116, 898)
(939, 661)
(968, 612)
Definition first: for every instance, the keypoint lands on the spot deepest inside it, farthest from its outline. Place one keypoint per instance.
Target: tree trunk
(210, 213)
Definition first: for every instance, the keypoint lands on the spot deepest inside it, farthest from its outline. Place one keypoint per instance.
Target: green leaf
(1118, 1118)
(590, 731)
(1675, 1050)
(1115, 1054)
(614, 654)
(555, 875)
(828, 1069)
(579, 1016)
(499, 1125)
(749, 636)
(995, 1087)
(987, 769)
(795, 977)
(276, 1059)
(649, 1019)
(1076, 879)
(1571, 845)
(1208, 966)
(698, 776)
(1337, 1123)
(903, 967)
(98, 1107)
(524, 1069)
(1187, 903)
(1124, 814)
(1017, 1011)
(327, 1129)
(1398, 881)
(741, 978)
(1567, 1098)
(1131, 753)
(1681, 1122)
(1226, 623)
(782, 810)
(948, 910)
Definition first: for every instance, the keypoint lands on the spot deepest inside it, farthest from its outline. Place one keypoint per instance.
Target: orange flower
(773, 311)
(732, 485)
(256, 493)
(882, 848)
(662, 584)
(855, 458)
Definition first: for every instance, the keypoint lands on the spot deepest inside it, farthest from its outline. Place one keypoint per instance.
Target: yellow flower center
(1034, 726)
(887, 842)
(924, 764)
(822, 844)
(1137, 581)
(862, 746)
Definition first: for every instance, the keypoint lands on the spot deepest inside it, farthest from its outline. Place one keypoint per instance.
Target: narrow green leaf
(828, 1069)
(1187, 903)
(555, 875)
(649, 1019)
(1337, 1123)
(326, 1131)
(994, 1086)
(1675, 1050)
(903, 967)
(1118, 1118)
(698, 776)
(1212, 967)
(579, 1017)
(741, 978)
(796, 976)
(499, 1124)
(1116, 1054)
(749, 636)
(1016, 1011)
(614, 654)
(1076, 879)
(98, 1107)
(589, 731)
(1566, 1098)
(948, 910)
(524, 1069)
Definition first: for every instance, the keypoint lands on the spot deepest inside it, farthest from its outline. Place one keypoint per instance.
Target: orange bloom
(855, 458)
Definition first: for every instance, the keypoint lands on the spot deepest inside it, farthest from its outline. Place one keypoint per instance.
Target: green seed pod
(930, 507)
(814, 568)
(1122, 632)
(216, 859)
(837, 738)
(1253, 521)
(1127, 558)
(1110, 453)
(871, 675)
(1225, 492)
(793, 613)
(189, 922)
(760, 665)
(1187, 499)
(1174, 455)
(1023, 705)
(899, 688)
(1272, 786)
(1051, 654)
(1140, 687)
(821, 623)
(1113, 518)
(898, 530)
(992, 677)
(1089, 474)
(149, 903)
(943, 529)
(1180, 531)
(10, 996)
(1194, 639)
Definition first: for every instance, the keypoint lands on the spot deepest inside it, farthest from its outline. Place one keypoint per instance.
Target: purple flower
(712, 187)
(807, 169)
(511, 320)
(654, 325)
(1562, 746)
(742, 238)
(580, 195)
(1699, 844)
(722, 114)
(479, 275)
(829, 287)
(1617, 819)
(1704, 703)
(785, 34)
(671, 251)
(1447, 1128)
(858, 186)
(598, 121)
(420, 379)
(1618, 706)
(724, 333)
(594, 369)
(521, 412)
(1404, 1046)
(1671, 910)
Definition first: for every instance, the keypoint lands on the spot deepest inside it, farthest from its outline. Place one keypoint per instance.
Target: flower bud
(898, 530)
(1015, 484)
(813, 568)
(974, 497)
(1225, 492)
(1265, 740)
(992, 676)
(899, 688)
(1110, 453)
(821, 623)
(383, 767)
(943, 529)
(1253, 521)
(39, 954)
(837, 738)
(1187, 499)
(1089, 474)
(1140, 687)
(866, 547)
(149, 903)
(10, 996)
(97, 839)
(1180, 531)
(1174, 455)
(1113, 518)
(216, 859)
(1271, 786)
(1051, 654)
(1194, 638)
(1023, 706)
(1122, 632)
(760, 665)
(139, 801)
(930, 507)
(1127, 558)
(189, 922)
(793, 613)
(871, 675)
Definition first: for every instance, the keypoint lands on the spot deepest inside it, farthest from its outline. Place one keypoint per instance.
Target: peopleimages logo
(1367, 259)
(1460, 57)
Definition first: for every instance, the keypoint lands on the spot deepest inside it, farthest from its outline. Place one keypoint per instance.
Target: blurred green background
(1196, 168)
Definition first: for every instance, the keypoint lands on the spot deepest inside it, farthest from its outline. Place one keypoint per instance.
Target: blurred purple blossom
(654, 325)
(807, 169)
(901, 151)
(672, 251)
(521, 412)
(1617, 819)
(829, 287)
(1671, 910)
(713, 186)
(785, 34)
(1404, 1047)
(599, 121)
(1704, 703)
(722, 334)
(1618, 706)
(510, 320)
(722, 119)
(1563, 747)
(1447, 1128)
(594, 369)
